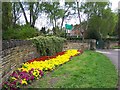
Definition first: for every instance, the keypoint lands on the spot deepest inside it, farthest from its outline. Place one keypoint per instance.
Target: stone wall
(113, 43)
(14, 53)
(89, 44)
(78, 44)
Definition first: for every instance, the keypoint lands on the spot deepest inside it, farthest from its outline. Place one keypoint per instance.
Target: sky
(43, 21)
(114, 4)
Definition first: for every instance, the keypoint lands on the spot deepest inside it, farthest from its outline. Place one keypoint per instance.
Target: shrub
(92, 34)
(74, 38)
(21, 32)
(48, 45)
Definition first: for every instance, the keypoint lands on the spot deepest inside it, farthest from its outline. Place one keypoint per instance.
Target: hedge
(48, 45)
(21, 32)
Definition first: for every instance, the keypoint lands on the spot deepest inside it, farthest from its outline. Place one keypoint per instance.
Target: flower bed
(33, 69)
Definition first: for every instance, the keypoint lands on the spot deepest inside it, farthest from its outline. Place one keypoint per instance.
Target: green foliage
(6, 15)
(53, 10)
(119, 26)
(21, 32)
(56, 31)
(100, 19)
(62, 33)
(48, 45)
(93, 34)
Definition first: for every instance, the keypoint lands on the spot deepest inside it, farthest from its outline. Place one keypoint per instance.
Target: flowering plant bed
(33, 69)
(89, 70)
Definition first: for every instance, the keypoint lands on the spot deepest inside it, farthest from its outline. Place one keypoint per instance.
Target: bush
(21, 32)
(74, 38)
(48, 45)
(93, 34)
(111, 39)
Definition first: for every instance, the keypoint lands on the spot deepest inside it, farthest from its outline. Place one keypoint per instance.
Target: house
(75, 31)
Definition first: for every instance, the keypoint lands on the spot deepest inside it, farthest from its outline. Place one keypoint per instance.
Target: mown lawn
(91, 69)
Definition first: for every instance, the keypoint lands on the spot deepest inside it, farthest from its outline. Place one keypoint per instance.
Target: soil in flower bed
(89, 70)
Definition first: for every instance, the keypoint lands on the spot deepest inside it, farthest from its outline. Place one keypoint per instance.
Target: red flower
(80, 51)
(60, 53)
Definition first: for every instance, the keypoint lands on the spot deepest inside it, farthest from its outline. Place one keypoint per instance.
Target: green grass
(91, 69)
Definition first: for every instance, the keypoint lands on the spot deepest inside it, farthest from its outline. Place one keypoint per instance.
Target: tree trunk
(33, 23)
(62, 23)
(24, 12)
(34, 14)
(80, 22)
(55, 26)
(55, 22)
(119, 25)
(14, 22)
(6, 15)
(64, 17)
(78, 12)
(30, 13)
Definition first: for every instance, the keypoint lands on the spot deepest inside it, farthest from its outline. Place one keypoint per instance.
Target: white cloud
(114, 4)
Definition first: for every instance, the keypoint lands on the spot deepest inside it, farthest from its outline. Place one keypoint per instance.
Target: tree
(99, 17)
(24, 13)
(78, 12)
(108, 22)
(16, 12)
(53, 11)
(119, 25)
(66, 11)
(92, 8)
(6, 15)
(34, 11)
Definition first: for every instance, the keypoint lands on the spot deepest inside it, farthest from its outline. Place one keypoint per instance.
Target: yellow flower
(24, 82)
(13, 78)
(49, 64)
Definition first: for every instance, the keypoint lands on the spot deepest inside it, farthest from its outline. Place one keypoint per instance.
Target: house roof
(76, 27)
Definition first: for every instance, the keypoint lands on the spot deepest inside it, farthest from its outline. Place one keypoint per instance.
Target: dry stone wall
(14, 53)
(78, 44)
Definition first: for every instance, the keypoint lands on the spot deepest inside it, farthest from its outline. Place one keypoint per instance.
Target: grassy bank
(91, 69)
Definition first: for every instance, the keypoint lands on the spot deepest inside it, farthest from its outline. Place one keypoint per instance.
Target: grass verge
(89, 70)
